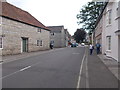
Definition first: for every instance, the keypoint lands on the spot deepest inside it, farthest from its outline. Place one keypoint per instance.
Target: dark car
(73, 45)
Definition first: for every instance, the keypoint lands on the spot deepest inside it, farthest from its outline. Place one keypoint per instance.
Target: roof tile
(18, 14)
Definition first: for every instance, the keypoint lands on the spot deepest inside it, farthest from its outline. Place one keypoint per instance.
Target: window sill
(108, 25)
(108, 51)
(117, 18)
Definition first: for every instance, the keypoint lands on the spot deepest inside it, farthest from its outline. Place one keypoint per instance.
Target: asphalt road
(55, 69)
(63, 68)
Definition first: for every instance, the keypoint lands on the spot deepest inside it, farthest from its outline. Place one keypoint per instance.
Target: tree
(79, 35)
(89, 14)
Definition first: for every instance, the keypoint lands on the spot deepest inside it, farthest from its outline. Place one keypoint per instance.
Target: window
(39, 30)
(109, 16)
(117, 15)
(52, 42)
(109, 42)
(52, 34)
(1, 42)
(39, 42)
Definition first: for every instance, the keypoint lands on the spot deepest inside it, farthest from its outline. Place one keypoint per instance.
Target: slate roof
(55, 28)
(15, 13)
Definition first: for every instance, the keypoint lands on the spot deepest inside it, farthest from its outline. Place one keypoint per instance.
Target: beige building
(21, 32)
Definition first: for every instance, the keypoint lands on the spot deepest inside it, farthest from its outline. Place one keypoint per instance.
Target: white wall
(109, 30)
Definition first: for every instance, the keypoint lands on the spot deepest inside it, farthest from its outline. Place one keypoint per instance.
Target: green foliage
(79, 35)
(89, 14)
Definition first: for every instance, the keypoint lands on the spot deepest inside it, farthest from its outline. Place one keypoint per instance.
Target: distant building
(59, 36)
(21, 32)
(67, 37)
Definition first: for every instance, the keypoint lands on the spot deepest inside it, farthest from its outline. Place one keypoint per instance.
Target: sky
(53, 12)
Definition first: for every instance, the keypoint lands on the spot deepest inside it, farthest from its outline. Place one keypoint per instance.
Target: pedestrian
(51, 45)
(91, 49)
(98, 47)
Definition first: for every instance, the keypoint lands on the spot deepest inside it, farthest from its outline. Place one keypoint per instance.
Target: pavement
(111, 64)
(99, 74)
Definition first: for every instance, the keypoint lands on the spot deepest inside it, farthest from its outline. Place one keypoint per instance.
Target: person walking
(91, 49)
(98, 47)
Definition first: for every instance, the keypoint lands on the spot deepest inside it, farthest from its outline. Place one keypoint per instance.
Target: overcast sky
(53, 12)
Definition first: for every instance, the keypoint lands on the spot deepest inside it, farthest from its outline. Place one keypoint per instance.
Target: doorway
(24, 44)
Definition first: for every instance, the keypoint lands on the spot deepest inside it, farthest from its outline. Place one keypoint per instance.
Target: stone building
(58, 36)
(21, 32)
(67, 37)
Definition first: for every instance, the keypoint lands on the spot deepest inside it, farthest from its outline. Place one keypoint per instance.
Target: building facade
(58, 36)
(108, 29)
(21, 32)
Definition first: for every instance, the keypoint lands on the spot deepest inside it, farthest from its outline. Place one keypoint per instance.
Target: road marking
(15, 72)
(25, 68)
(78, 84)
(87, 77)
(9, 75)
(19, 70)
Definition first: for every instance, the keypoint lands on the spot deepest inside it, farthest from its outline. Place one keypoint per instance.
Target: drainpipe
(119, 29)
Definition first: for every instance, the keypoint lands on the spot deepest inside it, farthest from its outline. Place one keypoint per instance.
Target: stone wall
(13, 32)
(59, 38)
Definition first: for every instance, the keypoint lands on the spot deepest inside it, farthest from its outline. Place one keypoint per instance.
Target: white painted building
(110, 30)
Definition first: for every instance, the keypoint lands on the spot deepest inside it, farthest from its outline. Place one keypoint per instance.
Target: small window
(109, 17)
(39, 30)
(117, 15)
(52, 42)
(37, 42)
(109, 42)
(41, 42)
(52, 34)
(1, 42)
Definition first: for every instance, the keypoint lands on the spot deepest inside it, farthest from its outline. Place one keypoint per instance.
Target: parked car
(74, 45)
(82, 44)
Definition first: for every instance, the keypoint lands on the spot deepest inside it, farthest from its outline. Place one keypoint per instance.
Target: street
(64, 68)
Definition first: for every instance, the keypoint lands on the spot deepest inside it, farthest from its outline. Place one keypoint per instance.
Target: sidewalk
(9, 58)
(102, 71)
(112, 65)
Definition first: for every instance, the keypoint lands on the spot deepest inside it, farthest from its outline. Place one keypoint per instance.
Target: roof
(55, 28)
(15, 13)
